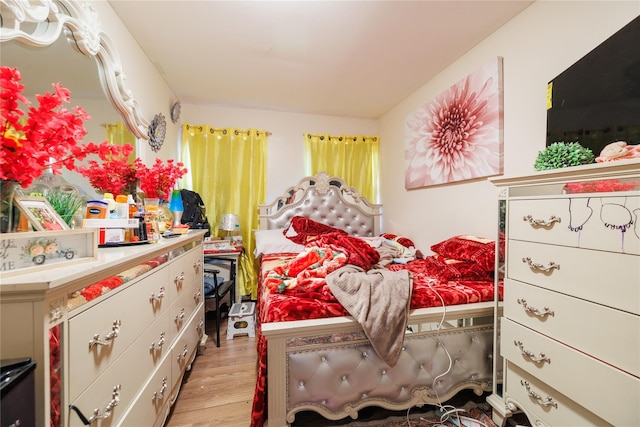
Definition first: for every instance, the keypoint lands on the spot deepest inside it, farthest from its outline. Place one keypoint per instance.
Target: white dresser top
(109, 261)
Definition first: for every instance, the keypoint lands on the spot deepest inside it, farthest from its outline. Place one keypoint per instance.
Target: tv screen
(596, 101)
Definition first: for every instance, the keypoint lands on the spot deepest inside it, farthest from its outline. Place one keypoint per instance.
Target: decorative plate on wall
(157, 131)
(175, 112)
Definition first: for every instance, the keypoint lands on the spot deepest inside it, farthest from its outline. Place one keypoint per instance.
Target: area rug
(465, 410)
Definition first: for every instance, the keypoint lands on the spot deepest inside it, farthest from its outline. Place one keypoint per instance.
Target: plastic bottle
(133, 208)
(108, 197)
(122, 207)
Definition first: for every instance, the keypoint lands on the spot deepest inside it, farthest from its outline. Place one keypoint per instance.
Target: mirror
(52, 24)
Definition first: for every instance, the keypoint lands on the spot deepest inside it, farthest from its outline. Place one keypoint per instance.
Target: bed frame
(328, 365)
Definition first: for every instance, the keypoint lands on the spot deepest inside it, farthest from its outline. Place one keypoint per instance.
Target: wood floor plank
(218, 391)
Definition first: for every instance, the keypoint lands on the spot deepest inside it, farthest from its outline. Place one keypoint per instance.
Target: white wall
(285, 163)
(536, 45)
(145, 83)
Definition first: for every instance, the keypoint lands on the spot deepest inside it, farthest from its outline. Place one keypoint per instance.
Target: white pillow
(274, 242)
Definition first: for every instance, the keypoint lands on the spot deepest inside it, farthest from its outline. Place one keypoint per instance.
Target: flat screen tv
(596, 101)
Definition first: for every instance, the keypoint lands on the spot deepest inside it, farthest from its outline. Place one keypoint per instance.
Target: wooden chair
(216, 288)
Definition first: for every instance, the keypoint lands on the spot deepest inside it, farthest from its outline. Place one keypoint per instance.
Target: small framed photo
(40, 213)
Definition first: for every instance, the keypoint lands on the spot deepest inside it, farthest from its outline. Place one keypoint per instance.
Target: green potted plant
(562, 155)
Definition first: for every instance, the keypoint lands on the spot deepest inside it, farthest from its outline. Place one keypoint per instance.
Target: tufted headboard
(327, 200)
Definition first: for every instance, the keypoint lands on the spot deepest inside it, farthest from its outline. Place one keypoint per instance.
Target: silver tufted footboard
(329, 367)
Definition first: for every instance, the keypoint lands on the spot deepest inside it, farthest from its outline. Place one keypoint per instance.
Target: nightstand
(233, 254)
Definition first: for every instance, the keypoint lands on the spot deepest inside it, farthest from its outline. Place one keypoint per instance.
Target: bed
(332, 357)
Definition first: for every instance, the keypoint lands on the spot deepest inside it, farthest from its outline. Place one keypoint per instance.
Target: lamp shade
(228, 222)
(175, 204)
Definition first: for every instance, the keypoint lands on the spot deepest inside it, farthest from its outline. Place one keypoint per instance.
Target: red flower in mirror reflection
(457, 136)
(114, 174)
(48, 136)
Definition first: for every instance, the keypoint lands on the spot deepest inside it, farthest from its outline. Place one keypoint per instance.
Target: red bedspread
(293, 288)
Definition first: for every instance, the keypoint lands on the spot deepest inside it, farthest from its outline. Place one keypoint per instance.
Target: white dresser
(112, 338)
(570, 331)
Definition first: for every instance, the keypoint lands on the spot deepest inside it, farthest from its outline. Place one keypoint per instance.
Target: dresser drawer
(572, 373)
(184, 307)
(185, 347)
(153, 402)
(604, 277)
(185, 272)
(546, 406)
(124, 316)
(578, 221)
(605, 333)
(137, 361)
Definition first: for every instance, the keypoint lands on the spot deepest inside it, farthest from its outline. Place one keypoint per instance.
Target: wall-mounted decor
(457, 135)
(596, 101)
(157, 131)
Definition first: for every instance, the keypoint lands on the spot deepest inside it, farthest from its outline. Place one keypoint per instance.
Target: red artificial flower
(114, 174)
(47, 137)
(157, 181)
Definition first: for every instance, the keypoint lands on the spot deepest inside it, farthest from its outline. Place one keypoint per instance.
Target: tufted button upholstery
(346, 375)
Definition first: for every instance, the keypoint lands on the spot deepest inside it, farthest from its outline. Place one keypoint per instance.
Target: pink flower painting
(457, 136)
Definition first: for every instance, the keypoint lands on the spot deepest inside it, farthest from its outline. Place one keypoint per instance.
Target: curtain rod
(224, 131)
(340, 137)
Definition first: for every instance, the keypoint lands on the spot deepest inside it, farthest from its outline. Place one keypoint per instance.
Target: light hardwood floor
(218, 391)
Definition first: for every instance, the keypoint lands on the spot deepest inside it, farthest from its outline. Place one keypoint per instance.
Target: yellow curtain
(352, 158)
(227, 167)
(118, 134)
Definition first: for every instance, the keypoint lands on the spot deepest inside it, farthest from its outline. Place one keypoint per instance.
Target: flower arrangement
(158, 180)
(48, 136)
(115, 174)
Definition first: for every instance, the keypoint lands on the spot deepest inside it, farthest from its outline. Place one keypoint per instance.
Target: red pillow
(455, 270)
(468, 248)
(302, 230)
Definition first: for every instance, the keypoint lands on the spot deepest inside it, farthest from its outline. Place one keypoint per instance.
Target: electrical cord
(448, 412)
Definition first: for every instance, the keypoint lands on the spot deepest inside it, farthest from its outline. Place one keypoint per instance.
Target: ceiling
(340, 58)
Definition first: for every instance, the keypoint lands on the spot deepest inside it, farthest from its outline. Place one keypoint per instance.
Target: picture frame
(40, 213)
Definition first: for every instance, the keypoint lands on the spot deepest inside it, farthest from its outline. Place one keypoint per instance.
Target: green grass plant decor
(562, 155)
(65, 203)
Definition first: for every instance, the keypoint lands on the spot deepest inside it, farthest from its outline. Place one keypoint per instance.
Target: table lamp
(176, 207)
(229, 223)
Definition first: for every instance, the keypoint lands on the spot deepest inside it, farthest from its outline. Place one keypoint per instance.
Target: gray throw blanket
(379, 300)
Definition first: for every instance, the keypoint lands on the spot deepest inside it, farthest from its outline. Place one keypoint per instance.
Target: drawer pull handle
(180, 317)
(196, 266)
(158, 297)
(157, 346)
(184, 353)
(542, 402)
(529, 309)
(541, 222)
(179, 280)
(200, 325)
(157, 395)
(115, 399)
(108, 338)
(538, 359)
(196, 296)
(539, 267)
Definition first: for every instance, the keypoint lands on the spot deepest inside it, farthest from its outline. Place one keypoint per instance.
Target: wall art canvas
(458, 135)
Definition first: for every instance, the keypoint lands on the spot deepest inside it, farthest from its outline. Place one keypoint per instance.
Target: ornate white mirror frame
(41, 22)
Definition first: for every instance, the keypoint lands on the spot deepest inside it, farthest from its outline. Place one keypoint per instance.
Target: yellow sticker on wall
(549, 95)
